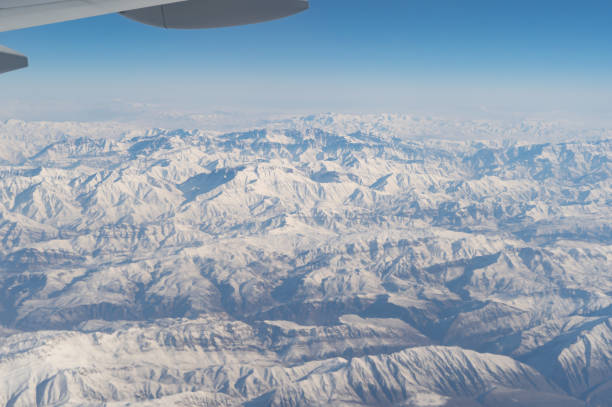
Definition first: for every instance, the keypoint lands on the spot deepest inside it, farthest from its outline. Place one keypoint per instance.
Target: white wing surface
(30, 13)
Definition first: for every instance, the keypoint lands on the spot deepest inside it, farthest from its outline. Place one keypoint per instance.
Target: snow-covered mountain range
(326, 260)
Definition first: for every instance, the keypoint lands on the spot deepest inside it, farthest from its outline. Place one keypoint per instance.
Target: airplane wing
(17, 14)
(11, 60)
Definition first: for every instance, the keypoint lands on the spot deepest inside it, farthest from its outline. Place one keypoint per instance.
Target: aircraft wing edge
(11, 60)
(15, 18)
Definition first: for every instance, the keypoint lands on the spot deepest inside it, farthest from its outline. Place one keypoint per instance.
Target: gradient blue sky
(461, 56)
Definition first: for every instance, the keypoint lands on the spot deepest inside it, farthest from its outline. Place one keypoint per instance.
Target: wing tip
(11, 60)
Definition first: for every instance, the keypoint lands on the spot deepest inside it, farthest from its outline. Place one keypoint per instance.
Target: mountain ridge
(334, 245)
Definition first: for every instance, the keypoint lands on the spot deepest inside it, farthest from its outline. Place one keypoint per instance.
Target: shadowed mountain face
(302, 265)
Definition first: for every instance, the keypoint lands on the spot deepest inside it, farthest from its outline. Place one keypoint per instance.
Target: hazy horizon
(478, 60)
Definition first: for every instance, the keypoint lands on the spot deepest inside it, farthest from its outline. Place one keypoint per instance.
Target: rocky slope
(328, 260)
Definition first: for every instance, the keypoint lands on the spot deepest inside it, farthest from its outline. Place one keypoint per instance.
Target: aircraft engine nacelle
(215, 13)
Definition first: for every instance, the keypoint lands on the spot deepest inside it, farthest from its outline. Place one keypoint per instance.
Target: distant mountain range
(329, 260)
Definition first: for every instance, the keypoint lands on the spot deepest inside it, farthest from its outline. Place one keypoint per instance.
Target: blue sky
(464, 57)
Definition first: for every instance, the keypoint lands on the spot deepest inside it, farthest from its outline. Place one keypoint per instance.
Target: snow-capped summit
(322, 260)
